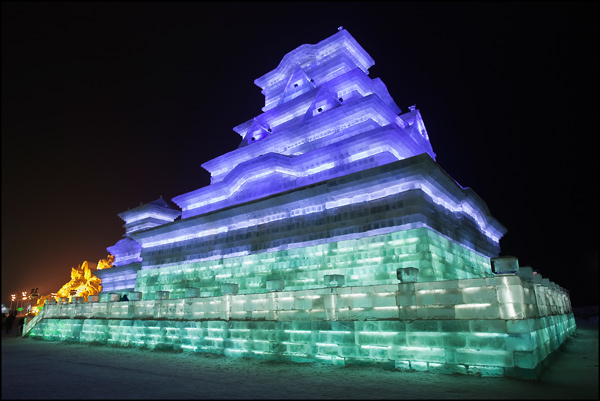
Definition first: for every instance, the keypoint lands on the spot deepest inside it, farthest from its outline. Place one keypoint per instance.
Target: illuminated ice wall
(329, 234)
(323, 118)
(324, 181)
(121, 277)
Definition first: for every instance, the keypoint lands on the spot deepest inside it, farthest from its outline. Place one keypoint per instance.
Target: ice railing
(29, 325)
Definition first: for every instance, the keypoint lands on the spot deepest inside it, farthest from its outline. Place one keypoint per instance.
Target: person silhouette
(20, 325)
(124, 298)
(9, 321)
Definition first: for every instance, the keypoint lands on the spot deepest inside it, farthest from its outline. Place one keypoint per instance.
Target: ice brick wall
(119, 277)
(365, 261)
(506, 297)
(321, 226)
(293, 252)
(486, 347)
(494, 326)
(384, 198)
(499, 325)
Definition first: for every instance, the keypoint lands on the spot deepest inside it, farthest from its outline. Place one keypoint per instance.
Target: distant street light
(23, 299)
(12, 299)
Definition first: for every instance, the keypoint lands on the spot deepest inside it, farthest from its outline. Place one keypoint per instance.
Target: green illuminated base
(371, 260)
(481, 347)
(497, 326)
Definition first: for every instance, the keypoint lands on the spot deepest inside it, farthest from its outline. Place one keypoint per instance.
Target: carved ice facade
(329, 234)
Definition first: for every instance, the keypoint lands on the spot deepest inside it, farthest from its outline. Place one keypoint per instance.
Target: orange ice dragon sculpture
(83, 282)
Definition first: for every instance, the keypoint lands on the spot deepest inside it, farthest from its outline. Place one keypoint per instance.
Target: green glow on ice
(367, 261)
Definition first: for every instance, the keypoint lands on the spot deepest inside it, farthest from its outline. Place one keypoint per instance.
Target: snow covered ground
(35, 369)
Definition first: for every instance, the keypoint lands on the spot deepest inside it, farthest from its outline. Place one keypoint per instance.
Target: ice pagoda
(330, 234)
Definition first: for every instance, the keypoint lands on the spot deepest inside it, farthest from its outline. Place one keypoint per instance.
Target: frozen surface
(78, 371)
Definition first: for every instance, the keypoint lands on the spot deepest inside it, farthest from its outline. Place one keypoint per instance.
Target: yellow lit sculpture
(105, 263)
(83, 283)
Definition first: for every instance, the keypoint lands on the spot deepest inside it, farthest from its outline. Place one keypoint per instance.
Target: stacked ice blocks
(490, 326)
(330, 234)
(365, 261)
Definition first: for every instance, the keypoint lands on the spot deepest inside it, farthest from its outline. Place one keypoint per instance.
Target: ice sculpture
(330, 234)
(83, 284)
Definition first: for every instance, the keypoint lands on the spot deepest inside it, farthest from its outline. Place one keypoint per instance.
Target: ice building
(330, 234)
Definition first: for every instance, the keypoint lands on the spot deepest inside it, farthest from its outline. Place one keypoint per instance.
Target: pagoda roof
(158, 207)
(307, 54)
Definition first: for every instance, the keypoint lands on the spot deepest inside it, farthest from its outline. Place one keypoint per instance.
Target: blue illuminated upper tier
(402, 195)
(320, 62)
(323, 118)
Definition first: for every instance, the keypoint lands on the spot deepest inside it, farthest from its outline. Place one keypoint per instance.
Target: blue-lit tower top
(323, 118)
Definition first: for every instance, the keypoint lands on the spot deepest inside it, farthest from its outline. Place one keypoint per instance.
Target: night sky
(106, 105)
